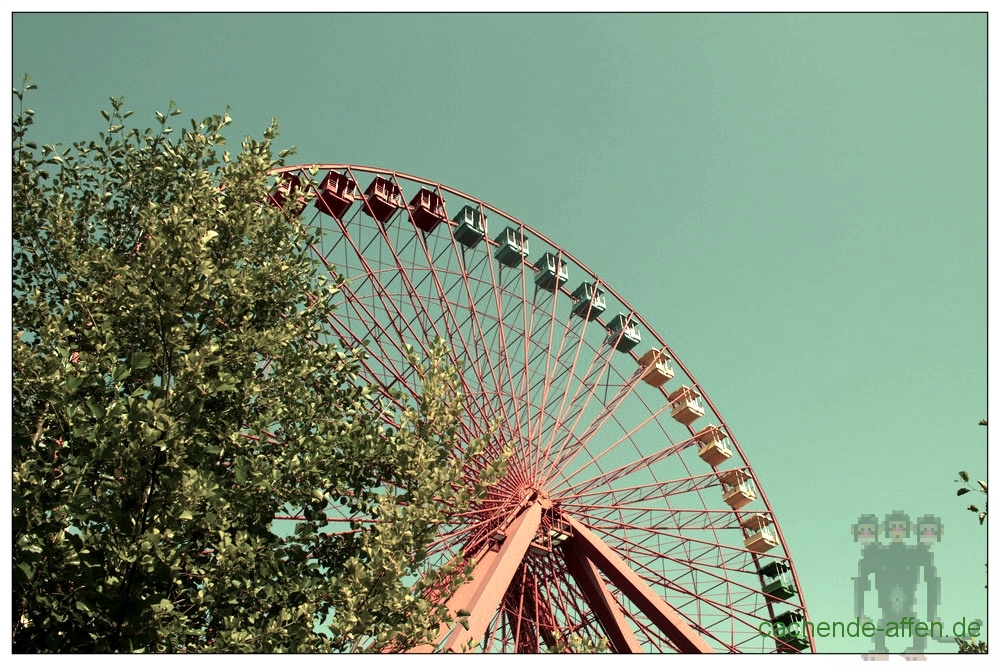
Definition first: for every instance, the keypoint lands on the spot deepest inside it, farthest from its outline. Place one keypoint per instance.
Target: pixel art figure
(929, 530)
(896, 568)
(866, 530)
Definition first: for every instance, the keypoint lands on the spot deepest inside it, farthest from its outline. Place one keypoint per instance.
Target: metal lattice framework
(629, 511)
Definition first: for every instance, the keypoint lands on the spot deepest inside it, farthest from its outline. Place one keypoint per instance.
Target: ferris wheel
(628, 511)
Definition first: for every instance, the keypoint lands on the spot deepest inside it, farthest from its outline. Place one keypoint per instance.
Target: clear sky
(797, 203)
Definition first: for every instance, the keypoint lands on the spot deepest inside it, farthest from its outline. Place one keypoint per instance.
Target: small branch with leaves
(963, 477)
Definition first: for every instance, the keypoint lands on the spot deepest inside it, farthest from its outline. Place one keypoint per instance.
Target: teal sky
(797, 203)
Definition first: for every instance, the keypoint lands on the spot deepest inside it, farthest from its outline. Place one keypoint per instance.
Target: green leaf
(964, 476)
(96, 408)
(140, 360)
(962, 491)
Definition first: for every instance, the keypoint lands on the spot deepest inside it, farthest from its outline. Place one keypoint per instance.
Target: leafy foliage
(579, 644)
(173, 392)
(963, 477)
(973, 646)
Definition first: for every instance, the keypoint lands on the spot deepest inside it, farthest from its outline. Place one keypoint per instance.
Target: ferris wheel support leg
(492, 578)
(628, 583)
(601, 600)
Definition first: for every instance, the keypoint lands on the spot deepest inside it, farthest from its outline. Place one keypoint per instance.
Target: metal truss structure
(629, 511)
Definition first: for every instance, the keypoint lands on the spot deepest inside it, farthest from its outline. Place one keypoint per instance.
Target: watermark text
(907, 627)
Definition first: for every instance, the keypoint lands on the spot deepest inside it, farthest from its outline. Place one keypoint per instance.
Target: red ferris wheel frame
(549, 559)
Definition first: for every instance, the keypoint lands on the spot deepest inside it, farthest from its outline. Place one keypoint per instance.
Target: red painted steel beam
(601, 601)
(492, 578)
(632, 586)
(461, 597)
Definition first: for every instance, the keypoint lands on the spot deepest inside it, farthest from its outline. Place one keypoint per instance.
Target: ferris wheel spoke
(482, 523)
(628, 437)
(381, 291)
(385, 378)
(555, 290)
(677, 541)
(551, 421)
(495, 633)
(395, 316)
(525, 381)
(478, 354)
(518, 458)
(519, 352)
(622, 471)
(631, 496)
(450, 539)
(553, 374)
(610, 403)
(682, 518)
(389, 375)
(439, 280)
(541, 333)
(407, 289)
(589, 382)
(573, 445)
(494, 351)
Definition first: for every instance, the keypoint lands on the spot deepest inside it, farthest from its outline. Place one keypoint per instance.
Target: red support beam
(601, 601)
(632, 586)
(463, 596)
(492, 578)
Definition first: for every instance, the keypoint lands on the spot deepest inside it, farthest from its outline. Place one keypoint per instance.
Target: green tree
(173, 391)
